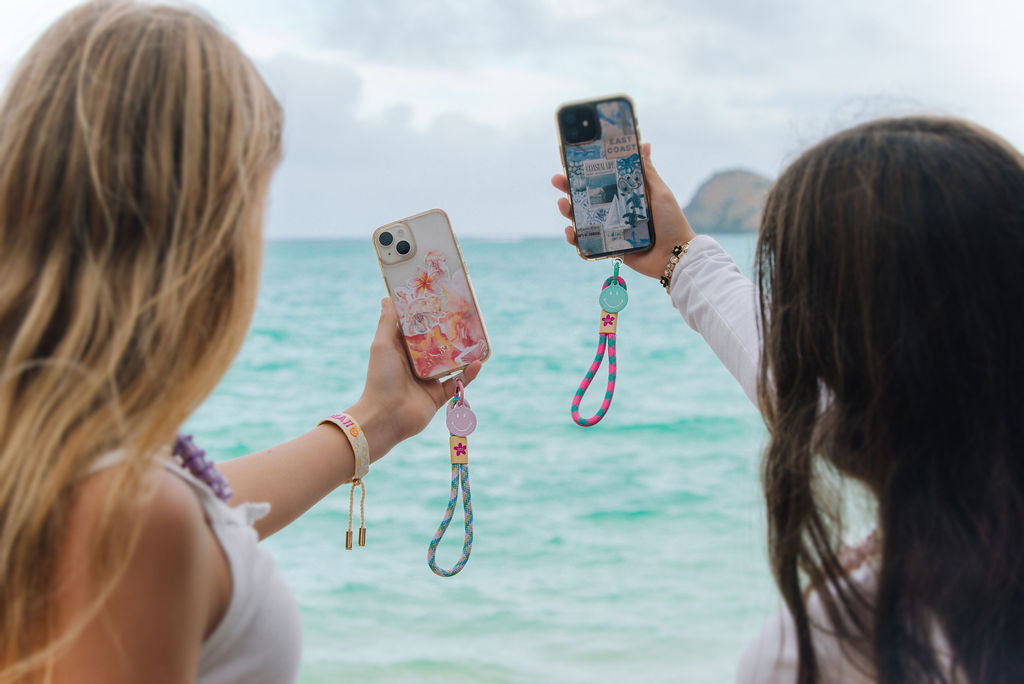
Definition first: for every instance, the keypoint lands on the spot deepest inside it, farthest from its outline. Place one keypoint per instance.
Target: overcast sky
(397, 106)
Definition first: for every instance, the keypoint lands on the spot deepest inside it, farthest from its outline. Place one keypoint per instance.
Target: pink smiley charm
(461, 420)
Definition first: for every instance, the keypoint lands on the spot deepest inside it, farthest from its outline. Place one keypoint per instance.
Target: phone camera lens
(580, 124)
(402, 247)
(386, 239)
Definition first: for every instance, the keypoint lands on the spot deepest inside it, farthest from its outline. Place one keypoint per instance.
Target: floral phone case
(428, 283)
(611, 214)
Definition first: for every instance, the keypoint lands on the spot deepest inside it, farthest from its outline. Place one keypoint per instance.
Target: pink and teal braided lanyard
(613, 300)
(461, 422)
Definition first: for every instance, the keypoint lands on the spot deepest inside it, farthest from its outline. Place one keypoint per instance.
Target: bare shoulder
(169, 518)
(160, 605)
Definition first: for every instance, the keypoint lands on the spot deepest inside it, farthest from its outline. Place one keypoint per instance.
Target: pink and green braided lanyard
(613, 300)
(461, 422)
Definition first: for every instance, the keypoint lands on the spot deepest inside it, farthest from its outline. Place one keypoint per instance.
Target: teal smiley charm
(614, 298)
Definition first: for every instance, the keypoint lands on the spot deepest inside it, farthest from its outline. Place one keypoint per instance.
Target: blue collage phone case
(606, 182)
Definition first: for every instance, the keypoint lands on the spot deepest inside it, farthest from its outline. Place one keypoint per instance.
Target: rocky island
(728, 202)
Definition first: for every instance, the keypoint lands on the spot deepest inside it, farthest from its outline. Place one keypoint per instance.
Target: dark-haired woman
(883, 343)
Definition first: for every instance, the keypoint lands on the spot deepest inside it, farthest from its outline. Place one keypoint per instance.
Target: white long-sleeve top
(720, 303)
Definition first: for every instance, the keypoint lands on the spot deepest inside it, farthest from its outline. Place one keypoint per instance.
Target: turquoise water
(630, 551)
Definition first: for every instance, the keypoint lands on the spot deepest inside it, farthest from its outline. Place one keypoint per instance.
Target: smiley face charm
(614, 298)
(461, 420)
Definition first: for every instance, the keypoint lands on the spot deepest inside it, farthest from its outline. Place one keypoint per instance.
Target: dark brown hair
(891, 276)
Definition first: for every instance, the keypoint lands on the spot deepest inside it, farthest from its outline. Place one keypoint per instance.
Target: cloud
(346, 174)
(396, 106)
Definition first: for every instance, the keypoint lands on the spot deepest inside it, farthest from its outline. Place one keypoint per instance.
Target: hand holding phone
(427, 280)
(673, 228)
(395, 404)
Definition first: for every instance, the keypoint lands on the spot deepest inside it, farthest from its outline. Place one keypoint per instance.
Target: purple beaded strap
(193, 459)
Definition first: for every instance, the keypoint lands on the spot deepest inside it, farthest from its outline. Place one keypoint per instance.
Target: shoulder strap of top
(107, 460)
(112, 458)
(246, 512)
(216, 509)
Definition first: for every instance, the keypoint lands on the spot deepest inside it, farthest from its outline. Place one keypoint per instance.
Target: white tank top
(259, 639)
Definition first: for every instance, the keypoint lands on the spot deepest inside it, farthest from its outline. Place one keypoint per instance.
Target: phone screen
(606, 183)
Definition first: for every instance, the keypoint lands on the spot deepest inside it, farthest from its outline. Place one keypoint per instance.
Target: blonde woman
(136, 146)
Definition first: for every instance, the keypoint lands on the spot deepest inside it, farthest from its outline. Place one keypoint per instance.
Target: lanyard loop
(604, 341)
(613, 300)
(461, 422)
(460, 474)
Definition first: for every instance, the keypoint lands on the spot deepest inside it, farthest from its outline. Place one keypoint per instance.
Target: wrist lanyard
(461, 422)
(613, 300)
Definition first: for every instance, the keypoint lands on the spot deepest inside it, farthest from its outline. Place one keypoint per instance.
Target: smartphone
(427, 280)
(600, 145)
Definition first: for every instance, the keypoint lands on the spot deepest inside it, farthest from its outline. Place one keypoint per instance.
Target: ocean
(630, 551)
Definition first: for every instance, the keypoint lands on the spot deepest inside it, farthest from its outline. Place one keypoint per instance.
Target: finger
(467, 376)
(570, 235)
(564, 207)
(387, 326)
(560, 182)
(471, 371)
(649, 165)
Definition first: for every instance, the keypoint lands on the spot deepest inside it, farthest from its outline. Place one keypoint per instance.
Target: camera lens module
(402, 247)
(385, 238)
(579, 124)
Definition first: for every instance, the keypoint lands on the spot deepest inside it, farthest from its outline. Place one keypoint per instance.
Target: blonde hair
(136, 144)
